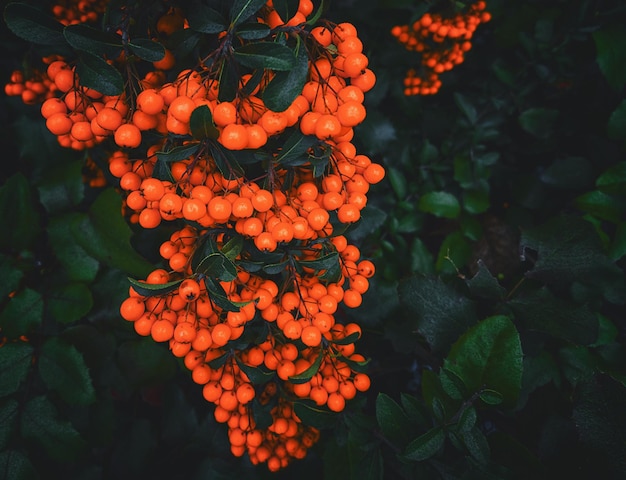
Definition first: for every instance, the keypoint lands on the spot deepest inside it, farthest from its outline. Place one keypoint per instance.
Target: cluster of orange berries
(442, 41)
(246, 332)
(32, 90)
(72, 12)
(294, 331)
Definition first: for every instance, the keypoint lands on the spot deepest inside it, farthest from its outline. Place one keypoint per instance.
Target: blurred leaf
(41, 424)
(616, 127)
(22, 314)
(467, 419)
(62, 368)
(577, 363)
(489, 355)
(201, 124)
(10, 274)
(601, 422)
(69, 302)
(242, 10)
(476, 200)
(440, 204)
(613, 179)
(33, 25)
(422, 261)
(569, 173)
(78, 264)
(15, 361)
(105, 235)
(285, 86)
(62, 188)
(426, 445)
(16, 466)
(491, 397)
(8, 421)
(442, 313)
(539, 121)
(540, 310)
(618, 245)
(145, 363)
(476, 444)
(610, 44)
(376, 132)
(88, 39)
(468, 110)
(18, 209)
(147, 49)
(94, 72)
(206, 20)
(454, 253)
(268, 55)
(392, 420)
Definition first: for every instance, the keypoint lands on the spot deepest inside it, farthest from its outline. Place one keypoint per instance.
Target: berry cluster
(442, 42)
(256, 269)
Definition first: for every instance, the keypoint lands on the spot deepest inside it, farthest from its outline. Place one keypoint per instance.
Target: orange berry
(127, 135)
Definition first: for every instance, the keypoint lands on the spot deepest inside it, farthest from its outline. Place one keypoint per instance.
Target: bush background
(500, 228)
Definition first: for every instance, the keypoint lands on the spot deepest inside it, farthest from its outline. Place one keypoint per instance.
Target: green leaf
(145, 363)
(11, 276)
(201, 124)
(217, 265)
(79, 265)
(41, 424)
(18, 209)
(601, 205)
(476, 200)
(600, 422)
(281, 91)
(154, 289)
(476, 444)
(325, 262)
(483, 284)
(62, 368)
(426, 445)
(94, 72)
(468, 110)
(270, 55)
(467, 420)
(440, 204)
(568, 173)
(233, 247)
(181, 152)
(541, 311)
(106, 236)
(62, 187)
(16, 466)
(219, 297)
(442, 314)
(8, 420)
(295, 149)
(306, 375)
(451, 384)
(22, 314)
(312, 415)
(242, 10)
(617, 249)
(69, 302)
(252, 31)
(286, 8)
(539, 121)
(392, 420)
(33, 25)
(616, 128)
(611, 54)
(256, 375)
(92, 40)
(15, 361)
(491, 397)
(569, 249)
(147, 49)
(613, 179)
(489, 355)
(206, 20)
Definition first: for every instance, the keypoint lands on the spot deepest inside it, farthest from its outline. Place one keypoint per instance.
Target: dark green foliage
(495, 321)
